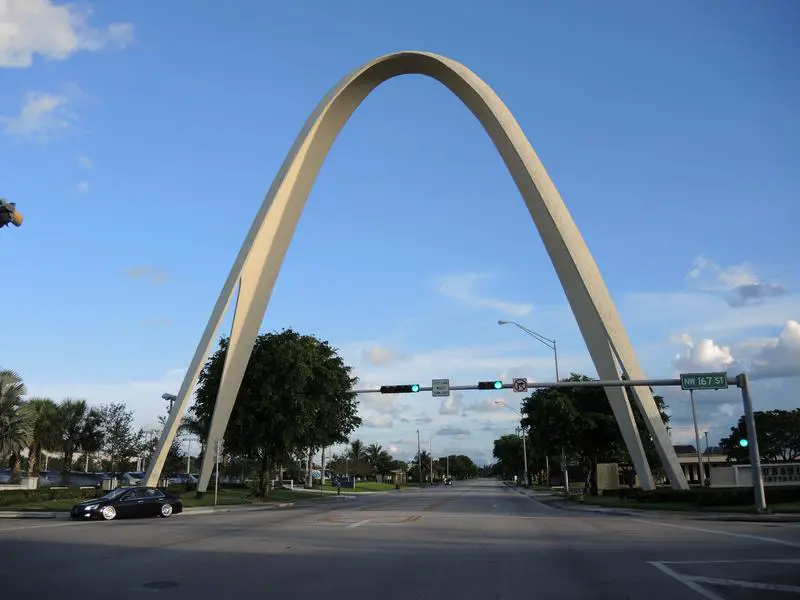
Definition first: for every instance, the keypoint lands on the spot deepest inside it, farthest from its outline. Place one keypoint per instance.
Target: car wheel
(109, 513)
(166, 510)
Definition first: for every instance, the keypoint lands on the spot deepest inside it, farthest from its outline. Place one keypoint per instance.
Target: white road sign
(520, 384)
(441, 387)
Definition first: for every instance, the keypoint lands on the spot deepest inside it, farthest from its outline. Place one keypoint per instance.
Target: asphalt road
(476, 540)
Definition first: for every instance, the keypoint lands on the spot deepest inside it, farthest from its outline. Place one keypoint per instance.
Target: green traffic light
(415, 388)
(744, 443)
(498, 385)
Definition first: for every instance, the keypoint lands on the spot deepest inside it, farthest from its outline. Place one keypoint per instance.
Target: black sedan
(129, 502)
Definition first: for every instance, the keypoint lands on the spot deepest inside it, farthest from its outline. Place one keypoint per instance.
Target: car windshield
(113, 494)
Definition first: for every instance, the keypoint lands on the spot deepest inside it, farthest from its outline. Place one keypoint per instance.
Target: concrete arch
(259, 260)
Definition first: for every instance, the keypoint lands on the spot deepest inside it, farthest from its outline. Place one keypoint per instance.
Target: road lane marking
(745, 536)
(358, 524)
(686, 581)
(25, 527)
(752, 585)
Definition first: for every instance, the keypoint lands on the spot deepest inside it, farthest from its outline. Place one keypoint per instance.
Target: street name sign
(704, 381)
(440, 387)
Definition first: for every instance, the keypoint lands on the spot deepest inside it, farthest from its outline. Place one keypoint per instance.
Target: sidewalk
(558, 502)
(190, 511)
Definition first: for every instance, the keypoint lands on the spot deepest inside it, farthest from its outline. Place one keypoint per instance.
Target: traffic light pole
(740, 381)
(755, 455)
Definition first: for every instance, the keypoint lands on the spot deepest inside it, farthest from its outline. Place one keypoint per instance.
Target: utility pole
(419, 459)
(448, 466)
(697, 441)
(430, 452)
(216, 475)
(755, 455)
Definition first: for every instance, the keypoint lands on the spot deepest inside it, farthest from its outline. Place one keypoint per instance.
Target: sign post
(440, 387)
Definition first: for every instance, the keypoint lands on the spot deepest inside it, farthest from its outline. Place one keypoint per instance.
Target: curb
(25, 514)
(749, 518)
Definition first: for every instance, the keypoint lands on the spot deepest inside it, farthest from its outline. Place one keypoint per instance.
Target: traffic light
(744, 443)
(400, 389)
(9, 214)
(490, 385)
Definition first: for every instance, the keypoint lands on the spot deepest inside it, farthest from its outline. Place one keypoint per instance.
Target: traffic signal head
(400, 389)
(9, 214)
(744, 443)
(490, 385)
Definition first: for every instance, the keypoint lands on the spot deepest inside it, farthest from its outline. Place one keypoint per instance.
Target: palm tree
(71, 417)
(91, 436)
(45, 430)
(356, 450)
(373, 455)
(15, 430)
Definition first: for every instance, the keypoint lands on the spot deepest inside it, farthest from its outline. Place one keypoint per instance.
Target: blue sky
(138, 139)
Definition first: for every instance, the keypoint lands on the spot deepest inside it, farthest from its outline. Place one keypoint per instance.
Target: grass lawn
(612, 502)
(226, 497)
(361, 486)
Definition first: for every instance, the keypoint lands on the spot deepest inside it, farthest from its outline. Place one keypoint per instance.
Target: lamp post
(539, 337)
(521, 431)
(552, 345)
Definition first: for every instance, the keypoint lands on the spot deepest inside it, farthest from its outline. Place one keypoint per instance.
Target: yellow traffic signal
(9, 214)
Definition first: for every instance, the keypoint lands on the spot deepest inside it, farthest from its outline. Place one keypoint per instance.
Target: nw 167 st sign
(704, 381)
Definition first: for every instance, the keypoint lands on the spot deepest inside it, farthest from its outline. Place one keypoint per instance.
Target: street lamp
(524, 448)
(539, 337)
(552, 345)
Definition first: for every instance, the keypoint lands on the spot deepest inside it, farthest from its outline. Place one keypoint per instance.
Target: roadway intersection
(473, 540)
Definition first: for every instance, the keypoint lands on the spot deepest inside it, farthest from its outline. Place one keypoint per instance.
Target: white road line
(359, 524)
(745, 536)
(686, 581)
(24, 527)
(783, 561)
(753, 585)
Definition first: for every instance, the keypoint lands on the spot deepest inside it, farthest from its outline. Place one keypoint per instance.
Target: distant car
(127, 503)
(448, 481)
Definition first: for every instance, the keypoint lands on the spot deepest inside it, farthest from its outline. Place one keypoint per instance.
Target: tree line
(575, 426)
(68, 427)
(372, 460)
(580, 422)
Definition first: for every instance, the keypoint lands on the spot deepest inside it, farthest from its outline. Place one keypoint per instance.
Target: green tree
(508, 452)
(778, 437)
(356, 451)
(121, 441)
(72, 416)
(45, 430)
(578, 419)
(296, 396)
(91, 436)
(15, 426)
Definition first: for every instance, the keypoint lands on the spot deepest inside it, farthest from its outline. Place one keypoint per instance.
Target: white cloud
(383, 422)
(761, 358)
(84, 161)
(148, 273)
(781, 357)
(31, 27)
(704, 355)
(462, 287)
(82, 187)
(452, 404)
(452, 431)
(377, 355)
(142, 396)
(492, 404)
(41, 114)
(740, 282)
